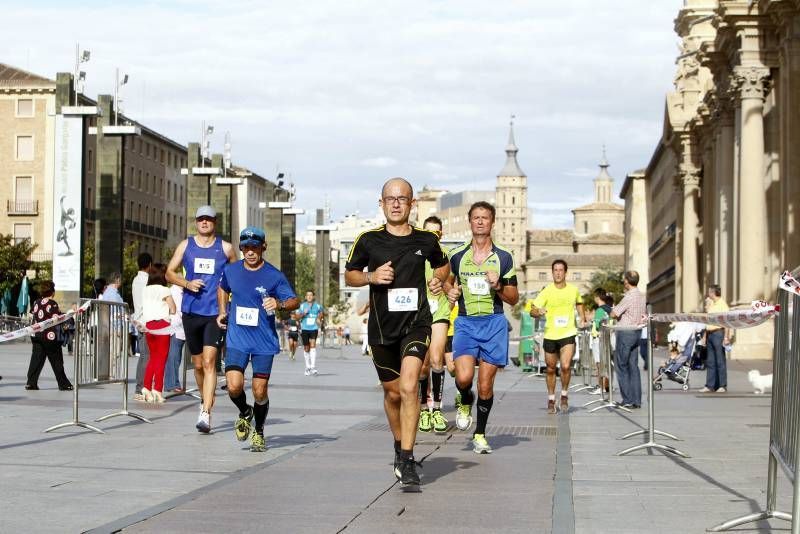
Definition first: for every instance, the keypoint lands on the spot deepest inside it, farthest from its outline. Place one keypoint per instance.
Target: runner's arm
(174, 275)
(508, 294)
(230, 253)
(222, 302)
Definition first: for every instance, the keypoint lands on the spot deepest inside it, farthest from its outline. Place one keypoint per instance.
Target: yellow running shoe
(242, 427)
(480, 445)
(257, 443)
(425, 424)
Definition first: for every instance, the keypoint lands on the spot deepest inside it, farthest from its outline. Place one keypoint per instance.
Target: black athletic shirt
(375, 247)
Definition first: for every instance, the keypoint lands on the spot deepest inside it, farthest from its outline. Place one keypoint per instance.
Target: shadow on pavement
(435, 468)
(299, 439)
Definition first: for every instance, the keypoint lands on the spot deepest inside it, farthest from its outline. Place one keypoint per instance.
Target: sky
(342, 95)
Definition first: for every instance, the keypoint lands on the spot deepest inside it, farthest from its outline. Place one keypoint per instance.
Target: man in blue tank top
(311, 314)
(202, 258)
(255, 289)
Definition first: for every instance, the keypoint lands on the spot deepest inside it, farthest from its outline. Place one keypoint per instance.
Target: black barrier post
(651, 430)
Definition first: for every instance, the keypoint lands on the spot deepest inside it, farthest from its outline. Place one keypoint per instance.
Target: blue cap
(251, 236)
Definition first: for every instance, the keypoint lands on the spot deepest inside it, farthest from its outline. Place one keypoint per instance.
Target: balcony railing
(23, 207)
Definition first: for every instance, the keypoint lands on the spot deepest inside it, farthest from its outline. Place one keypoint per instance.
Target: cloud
(381, 162)
(320, 88)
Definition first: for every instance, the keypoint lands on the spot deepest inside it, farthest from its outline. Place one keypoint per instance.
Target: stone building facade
(723, 184)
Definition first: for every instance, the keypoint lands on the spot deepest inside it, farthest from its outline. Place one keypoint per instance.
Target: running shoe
(564, 403)
(551, 406)
(398, 464)
(148, 396)
(409, 479)
(314, 371)
(439, 421)
(480, 445)
(596, 391)
(203, 422)
(425, 423)
(242, 427)
(705, 389)
(257, 443)
(722, 390)
(308, 372)
(464, 416)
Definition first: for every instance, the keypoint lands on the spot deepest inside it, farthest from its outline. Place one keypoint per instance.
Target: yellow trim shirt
(560, 306)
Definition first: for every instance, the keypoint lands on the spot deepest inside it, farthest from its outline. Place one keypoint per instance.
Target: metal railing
(651, 431)
(606, 399)
(784, 425)
(101, 356)
(22, 207)
(583, 344)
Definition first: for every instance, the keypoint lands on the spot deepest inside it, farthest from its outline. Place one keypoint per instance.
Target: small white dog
(760, 382)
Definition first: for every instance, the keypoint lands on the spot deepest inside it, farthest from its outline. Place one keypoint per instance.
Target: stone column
(725, 213)
(752, 201)
(690, 298)
(108, 195)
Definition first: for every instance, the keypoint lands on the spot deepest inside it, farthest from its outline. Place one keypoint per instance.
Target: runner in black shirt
(400, 319)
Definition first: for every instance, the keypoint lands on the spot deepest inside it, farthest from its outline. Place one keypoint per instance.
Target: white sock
(564, 392)
(308, 360)
(313, 358)
(551, 397)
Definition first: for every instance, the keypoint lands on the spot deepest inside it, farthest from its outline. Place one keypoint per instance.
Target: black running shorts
(201, 331)
(308, 335)
(388, 358)
(448, 347)
(554, 346)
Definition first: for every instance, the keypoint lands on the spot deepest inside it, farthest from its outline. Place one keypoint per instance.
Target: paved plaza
(328, 466)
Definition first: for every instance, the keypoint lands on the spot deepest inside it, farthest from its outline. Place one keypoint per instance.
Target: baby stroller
(682, 339)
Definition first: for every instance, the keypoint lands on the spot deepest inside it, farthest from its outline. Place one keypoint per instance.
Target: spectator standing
(717, 338)
(111, 292)
(144, 261)
(629, 312)
(157, 307)
(172, 372)
(47, 343)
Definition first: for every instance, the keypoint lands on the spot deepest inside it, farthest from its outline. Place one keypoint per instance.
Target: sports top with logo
(560, 306)
(250, 328)
(439, 305)
(206, 264)
(400, 306)
(477, 298)
(42, 310)
(310, 312)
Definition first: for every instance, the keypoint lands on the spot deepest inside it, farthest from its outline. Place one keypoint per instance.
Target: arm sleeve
(437, 257)
(508, 273)
(620, 308)
(541, 299)
(359, 257)
(223, 281)
(283, 290)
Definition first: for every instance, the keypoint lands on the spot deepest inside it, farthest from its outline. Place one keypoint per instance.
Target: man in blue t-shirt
(311, 315)
(255, 289)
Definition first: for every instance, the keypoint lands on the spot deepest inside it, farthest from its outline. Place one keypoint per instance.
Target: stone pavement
(328, 467)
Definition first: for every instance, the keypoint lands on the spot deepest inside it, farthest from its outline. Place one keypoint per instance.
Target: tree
(13, 260)
(610, 279)
(303, 271)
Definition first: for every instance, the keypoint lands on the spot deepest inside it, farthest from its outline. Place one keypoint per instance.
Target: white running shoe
(307, 372)
(314, 371)
(203, 422)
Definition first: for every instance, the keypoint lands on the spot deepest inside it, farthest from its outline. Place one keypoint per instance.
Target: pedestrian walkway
(328, 466)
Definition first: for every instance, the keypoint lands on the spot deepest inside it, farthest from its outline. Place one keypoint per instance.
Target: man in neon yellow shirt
(557, 303)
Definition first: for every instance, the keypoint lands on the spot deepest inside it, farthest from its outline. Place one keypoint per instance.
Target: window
(542, 276)
(25, 107)
(576, 276)
(146, 181)
(24, 148)
(155, 191)
(585, 227)
(130, 211)
(23, 232)
(513, 200)
(89, 198)
(146, 215)
(90, 161)
(23, 189)
(140, 180)
(606, 227)
(139, 218)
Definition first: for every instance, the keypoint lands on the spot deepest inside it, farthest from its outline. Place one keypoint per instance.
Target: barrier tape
(788, 283)
(44, 325)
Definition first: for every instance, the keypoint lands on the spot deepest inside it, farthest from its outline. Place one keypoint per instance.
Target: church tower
(511, 226)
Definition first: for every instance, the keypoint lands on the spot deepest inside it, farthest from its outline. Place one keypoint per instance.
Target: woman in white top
(157, 307)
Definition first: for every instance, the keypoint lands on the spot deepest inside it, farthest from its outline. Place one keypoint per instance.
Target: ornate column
(751, 83)
(690, 287)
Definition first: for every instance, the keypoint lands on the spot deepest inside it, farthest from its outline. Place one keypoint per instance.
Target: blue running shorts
(236, 360)
(483, 337)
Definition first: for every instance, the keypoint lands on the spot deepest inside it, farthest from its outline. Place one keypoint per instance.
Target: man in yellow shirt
(557, 303)
(717, 338)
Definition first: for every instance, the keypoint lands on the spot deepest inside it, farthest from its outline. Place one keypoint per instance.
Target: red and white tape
(788, 283)
(44, 325)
